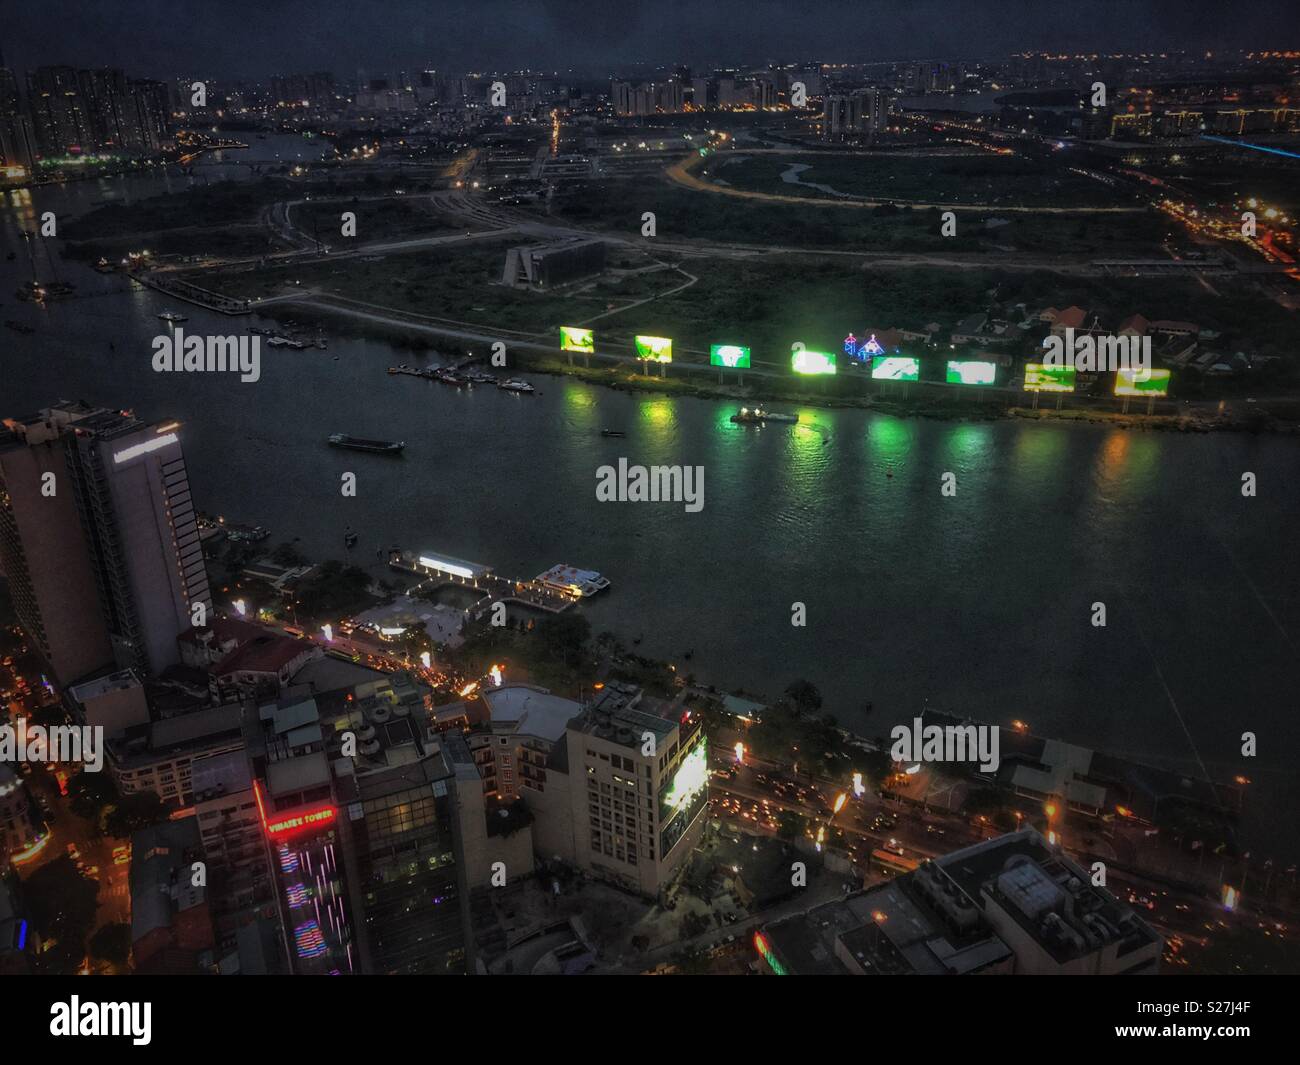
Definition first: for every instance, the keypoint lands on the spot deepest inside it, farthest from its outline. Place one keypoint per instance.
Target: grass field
(988, 179)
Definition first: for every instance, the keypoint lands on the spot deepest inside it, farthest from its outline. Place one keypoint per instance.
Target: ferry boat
(573, 581)
(357, 443)
(757, 415)
(515, 385)
(243, 534)
(172, 317)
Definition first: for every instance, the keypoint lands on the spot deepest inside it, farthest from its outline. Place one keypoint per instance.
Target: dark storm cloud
(240, 38)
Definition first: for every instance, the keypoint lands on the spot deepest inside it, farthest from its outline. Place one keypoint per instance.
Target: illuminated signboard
(812, 362)
(685, 796)
(692, 774)
(971, 373)
(895, 368)
(137, 450)
(1141, 382)
(850, 345)
(294, 822)
(573, 338)
(732, 356)
(657, 349)
(1039, 378)
(765, 949)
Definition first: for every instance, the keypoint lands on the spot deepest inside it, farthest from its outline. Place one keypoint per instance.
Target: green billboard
(656, 349)
(895, 368)
(732, 356)
(575, 338)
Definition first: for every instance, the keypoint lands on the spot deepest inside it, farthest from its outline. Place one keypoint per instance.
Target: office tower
(638, 789)
(133, 492)
(44, 551)
(355, 798)
(137, 545)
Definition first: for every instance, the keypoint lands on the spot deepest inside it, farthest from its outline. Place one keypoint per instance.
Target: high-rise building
(44, 550)
(356, 803)
(638, 789)
(133, 491)
(120, 521)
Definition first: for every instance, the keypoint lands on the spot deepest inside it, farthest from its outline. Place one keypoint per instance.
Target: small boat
(757, 416)
(480, 377)
(349, 539)
(173, 317)
(572, 581)
(516, 385)
(612, 432)
(104, 266)
(357, 443)
(20, 327)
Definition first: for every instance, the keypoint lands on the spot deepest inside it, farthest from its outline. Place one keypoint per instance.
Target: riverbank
(1281, 416)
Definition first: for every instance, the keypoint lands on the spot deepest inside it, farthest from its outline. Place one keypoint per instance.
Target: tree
(133, 812)
(89, 793)
(804, 696)
(565, 637)
(790, 825)
(62, 904)
(112, 943)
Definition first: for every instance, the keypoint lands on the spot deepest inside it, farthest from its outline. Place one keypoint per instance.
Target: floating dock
(440, 569)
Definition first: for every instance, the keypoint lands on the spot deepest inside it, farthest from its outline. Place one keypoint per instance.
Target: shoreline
(615, 375)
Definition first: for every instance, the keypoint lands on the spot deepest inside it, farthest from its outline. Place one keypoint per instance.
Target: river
(980, 602)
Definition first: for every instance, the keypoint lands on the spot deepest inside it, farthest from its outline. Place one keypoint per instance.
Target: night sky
(251, 38)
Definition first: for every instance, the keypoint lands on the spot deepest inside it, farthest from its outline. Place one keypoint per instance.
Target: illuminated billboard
(812, 362)
(1040, 378)
(683, 798)
(1141, 382)
(656, 349)
(971, 373)
(572, 338)
(732, 356)
(895, 368)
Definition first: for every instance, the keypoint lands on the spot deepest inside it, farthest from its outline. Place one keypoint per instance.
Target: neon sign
(308, 819)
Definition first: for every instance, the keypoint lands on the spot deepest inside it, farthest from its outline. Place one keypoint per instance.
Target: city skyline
(162, 41)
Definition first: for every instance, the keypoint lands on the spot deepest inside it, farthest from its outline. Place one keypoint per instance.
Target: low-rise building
(1007, 905)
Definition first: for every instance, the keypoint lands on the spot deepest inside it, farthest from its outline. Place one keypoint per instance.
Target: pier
(440, 570)
(190, 293)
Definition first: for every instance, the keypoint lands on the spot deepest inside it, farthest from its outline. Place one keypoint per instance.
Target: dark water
(979, 603)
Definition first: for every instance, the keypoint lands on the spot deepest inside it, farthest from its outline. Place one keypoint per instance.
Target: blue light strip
(1255, 147)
